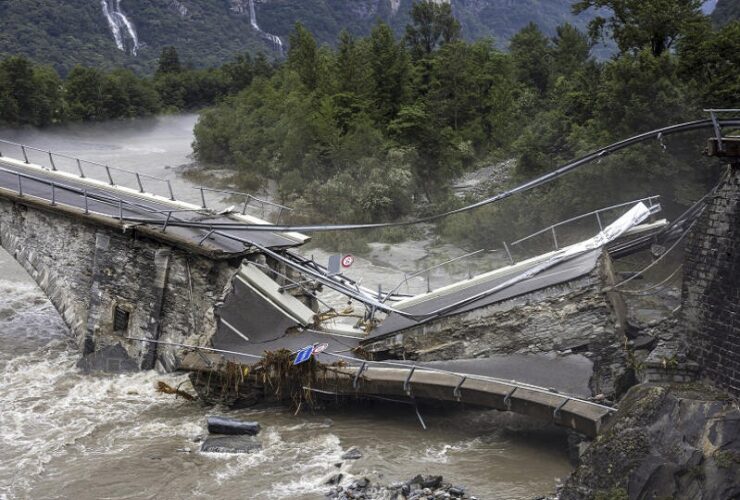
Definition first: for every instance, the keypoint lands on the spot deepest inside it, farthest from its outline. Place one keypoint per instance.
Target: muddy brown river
(68, 435)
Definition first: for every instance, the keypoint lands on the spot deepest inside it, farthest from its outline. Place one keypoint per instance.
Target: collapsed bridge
(121, 262)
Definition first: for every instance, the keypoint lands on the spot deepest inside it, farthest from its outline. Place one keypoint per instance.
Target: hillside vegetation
(726, 12)
(36, 95)
(208, 32)
(367, 131)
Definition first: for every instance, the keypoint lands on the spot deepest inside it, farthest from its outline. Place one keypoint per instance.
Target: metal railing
(651, 201)
(121, 177)
(164, 217)
(248, 198)
(86, 169)
(406, 277)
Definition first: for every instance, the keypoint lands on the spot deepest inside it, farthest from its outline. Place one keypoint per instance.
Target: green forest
(376, 128)
(36, 95)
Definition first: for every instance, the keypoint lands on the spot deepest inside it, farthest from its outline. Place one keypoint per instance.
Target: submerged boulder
(231, 426)
(353, 453)
(230, 444)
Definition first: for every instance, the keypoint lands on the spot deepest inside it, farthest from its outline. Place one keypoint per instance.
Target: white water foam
(276, 42)
(120, 25)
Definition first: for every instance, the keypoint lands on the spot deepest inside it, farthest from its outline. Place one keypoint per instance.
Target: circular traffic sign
(348, 260)
(319, 348)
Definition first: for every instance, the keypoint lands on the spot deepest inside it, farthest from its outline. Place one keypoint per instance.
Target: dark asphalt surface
(560, 273)
(40, 189)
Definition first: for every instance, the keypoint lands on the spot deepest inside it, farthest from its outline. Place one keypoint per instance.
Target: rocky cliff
(680, 442)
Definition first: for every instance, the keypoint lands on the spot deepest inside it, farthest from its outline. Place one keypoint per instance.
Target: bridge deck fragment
(37, 185)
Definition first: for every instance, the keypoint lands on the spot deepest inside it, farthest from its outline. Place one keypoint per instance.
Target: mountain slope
(726, 11)
(207, 32)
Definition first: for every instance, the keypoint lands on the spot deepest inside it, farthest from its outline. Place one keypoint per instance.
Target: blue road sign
(303, 355)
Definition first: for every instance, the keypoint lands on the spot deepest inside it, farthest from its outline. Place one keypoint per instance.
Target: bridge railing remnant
(557, 240)
(598, 215)
(114, 176)
(89, 199)
(248, 199)
(121, 177)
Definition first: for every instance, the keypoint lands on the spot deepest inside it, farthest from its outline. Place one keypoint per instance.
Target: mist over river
(68, 435)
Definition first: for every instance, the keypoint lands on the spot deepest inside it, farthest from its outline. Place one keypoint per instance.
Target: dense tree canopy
(640, 24)
(378, 127)
(36, 95)
(362, 132)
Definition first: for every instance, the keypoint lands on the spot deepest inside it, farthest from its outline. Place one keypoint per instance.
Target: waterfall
(119, 25)
(276, 42)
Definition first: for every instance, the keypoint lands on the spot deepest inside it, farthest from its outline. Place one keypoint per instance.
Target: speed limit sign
(347, 261)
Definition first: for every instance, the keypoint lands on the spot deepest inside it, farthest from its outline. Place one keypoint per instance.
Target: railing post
(53, 195)
(598, 219)
(202, 197)
(169, 186)
(244, 208)
(280, 214)
(407, 382)
(25, 155)
(138, 181)
(51, 161)
(508, 253)
(84, 195)
(429, 284)
(110, 177)
(554, 237)
(20, 186)
(120, 210)
(79, 167)
(166, 221)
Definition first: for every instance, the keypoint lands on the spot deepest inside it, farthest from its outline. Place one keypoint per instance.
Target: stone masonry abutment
(107, 283)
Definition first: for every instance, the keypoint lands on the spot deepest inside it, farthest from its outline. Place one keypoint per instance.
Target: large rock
(230, 444)
(680, 442)
(231, 426)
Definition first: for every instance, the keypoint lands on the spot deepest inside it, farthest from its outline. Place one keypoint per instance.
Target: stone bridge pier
(711, 289)
(108, 283)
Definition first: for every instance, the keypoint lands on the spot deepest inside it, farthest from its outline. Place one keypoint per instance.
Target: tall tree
(48, 102)
(169, 61)
(709, 61)
(350, 63)
(84, 93)
(530, 50)
(389, 69)
(432, 25)
(571, 50)
(640, 24)
(303, 56)
(17, 91)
